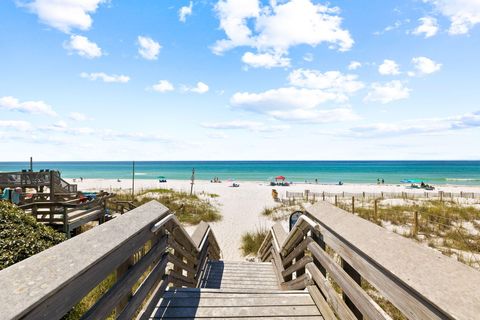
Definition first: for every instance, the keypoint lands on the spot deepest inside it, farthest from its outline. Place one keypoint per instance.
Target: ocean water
(434, 172)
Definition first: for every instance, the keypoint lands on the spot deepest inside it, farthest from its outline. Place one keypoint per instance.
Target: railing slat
(109, 300)
(321, 304)
(357, 295)
(139, 296)
(333, 298)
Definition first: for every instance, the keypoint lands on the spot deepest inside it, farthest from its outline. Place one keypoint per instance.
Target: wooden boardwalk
(314, 271)
(236, 290)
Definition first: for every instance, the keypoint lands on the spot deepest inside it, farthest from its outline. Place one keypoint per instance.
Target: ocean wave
(140, 174)
(461, 179)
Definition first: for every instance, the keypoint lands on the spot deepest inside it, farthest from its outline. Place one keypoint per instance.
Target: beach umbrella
(279, 178)
(161, 177)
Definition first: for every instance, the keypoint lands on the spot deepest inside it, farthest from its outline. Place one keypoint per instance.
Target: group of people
(215, 180)
(380, 181)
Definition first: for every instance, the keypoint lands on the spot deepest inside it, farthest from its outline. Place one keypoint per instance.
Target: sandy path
(241, 207)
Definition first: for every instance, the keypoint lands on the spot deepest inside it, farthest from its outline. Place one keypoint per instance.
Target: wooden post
(336, 201)
(415, 224)
(358, 279)
(353, 204)
(363, 193)
(306, 194)
(193, 181)
(133, 180)
(375, 208)
(52, 192)
(441, 195)
(323, 195)
(31, 163)
(381, 194)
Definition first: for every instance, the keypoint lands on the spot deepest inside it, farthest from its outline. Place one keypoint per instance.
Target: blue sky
(239, 79)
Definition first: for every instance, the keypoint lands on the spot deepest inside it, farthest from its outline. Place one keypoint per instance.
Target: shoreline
(241, 207)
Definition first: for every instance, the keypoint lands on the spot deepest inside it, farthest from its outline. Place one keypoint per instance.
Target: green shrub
(21, 236)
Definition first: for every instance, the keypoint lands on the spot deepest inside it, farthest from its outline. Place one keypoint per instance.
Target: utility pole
(193, 180)
(31, 163)
(133, 180)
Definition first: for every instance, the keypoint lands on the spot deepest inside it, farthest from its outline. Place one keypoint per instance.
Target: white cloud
(301, 102)
(148, 48)
(354, 65)
(83, 47)
(424, 66)
(284, 99)
(316, 116)
(244, 125)
(333, 81)
(418, 126)
(163, 86)
(199, 88)
(64, 15)
(105, 77)
(184, 12)
(265, 60)
(276, 27)
(32, 107)
(15, 125)
(77, 116)
(387, 92)
(428, 27)
(308, 57)
(463, 14)
(389, 67)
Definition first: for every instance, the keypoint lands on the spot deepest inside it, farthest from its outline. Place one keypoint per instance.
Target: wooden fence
(316, 196)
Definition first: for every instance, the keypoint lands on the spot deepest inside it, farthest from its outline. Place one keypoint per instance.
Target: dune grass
(252, 240)
(189, 209)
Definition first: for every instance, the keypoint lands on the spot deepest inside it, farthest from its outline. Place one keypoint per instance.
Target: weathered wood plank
(145, 287)
(333, 298)
(225, 312)
(321, 303)
(419, 290)
(297, 251)
(109, 300)
(279, 233)
(47, 285)
(297, 266)
(299, 283)
(367, 306)
(220, 301)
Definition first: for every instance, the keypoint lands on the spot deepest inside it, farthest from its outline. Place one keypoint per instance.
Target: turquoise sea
(434, 172)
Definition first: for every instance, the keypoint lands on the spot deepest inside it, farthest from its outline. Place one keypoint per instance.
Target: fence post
(415, 224)
(323, 195)
(441, 195)
(336, 201)
(381, 194)
(306, 194)
(353, 204)
(363, 194)
(375, 203)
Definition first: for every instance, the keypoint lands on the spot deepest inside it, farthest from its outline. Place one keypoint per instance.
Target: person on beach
(383, 181)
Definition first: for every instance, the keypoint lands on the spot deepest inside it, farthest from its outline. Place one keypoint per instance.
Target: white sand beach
(241, 207)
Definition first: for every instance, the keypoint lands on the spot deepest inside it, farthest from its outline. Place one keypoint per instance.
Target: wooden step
(235, 304)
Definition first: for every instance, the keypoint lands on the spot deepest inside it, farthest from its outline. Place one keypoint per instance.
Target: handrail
(146, 243)
(304, 249)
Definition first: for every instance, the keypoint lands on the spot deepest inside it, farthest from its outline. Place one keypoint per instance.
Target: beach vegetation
(21, 236)
(252, 240)
(189, 208)
(282, 211)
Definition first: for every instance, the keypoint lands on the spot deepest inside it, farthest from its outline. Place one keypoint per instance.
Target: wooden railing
(340, 258)
(70, 214)
(145, 249)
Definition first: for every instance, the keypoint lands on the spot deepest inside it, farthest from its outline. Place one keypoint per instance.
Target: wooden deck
(236, 290)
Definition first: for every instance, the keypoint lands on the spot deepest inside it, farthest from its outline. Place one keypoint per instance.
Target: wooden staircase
(236, 290)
